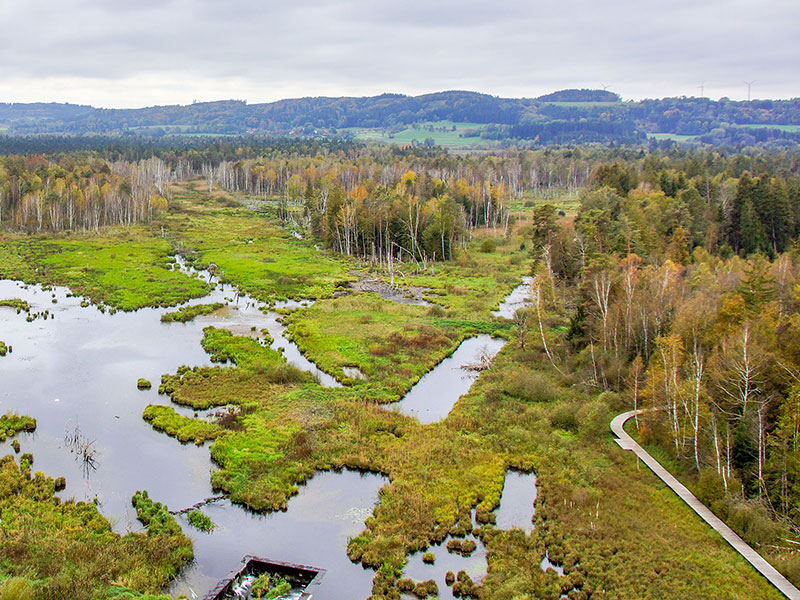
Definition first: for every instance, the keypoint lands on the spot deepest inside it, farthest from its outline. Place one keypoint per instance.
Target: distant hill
(16, 112)
(581, 96)
(563, 117)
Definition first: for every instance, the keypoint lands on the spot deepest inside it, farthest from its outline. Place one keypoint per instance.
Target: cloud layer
(126, 53)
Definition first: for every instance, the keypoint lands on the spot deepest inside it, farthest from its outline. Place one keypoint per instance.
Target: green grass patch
(187, 313)
(200, 520)
(17, 304)
(250, 249)
(675, 137)
(474, 284)
(126, 269)
(447, 134)
(790, 128)
(185, 429)
(392, 344)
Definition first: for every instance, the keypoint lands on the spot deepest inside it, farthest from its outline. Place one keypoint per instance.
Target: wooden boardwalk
(626, 442)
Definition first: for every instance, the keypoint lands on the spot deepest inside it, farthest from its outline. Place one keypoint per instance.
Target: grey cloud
(365, 46)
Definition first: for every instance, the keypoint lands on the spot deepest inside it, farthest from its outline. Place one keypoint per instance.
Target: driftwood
(484, 362)
(197, 505)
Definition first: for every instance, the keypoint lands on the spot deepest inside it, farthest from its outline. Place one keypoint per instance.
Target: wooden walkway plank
(626, 442)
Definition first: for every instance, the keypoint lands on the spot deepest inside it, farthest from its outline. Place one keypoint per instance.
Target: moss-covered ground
(124, 268)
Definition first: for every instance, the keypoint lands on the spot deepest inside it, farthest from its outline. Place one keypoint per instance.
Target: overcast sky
(121, 53)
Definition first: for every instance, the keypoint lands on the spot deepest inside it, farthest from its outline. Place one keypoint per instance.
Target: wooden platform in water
(299, 576)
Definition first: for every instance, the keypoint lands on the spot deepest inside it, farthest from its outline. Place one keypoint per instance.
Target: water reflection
(517, 504)
(313, 531)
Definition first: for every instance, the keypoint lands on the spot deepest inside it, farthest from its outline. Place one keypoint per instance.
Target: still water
(77, 371)
(518, 298)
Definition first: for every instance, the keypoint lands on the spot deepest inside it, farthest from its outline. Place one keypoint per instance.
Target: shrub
(462, 547)
(16, 588)
(436, 310)
(200, 520)
(751, 520)
(488, 245)
(529, 386)
(425, 589)
(429, 558)
(405, 584)
(464, 586)
(143, 384)
(594, 419)
(564, 417)
(709, 488)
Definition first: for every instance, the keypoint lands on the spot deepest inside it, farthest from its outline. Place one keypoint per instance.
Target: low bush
(200, 520)
(564, 417)
(529, 386)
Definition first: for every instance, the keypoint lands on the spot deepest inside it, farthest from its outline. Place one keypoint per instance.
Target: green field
(791, 128)
(672, 136)
(447, 134)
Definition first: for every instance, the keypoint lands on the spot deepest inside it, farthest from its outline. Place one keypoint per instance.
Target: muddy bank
(408, 295)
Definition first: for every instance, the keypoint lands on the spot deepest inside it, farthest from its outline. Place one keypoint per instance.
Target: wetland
(396, 439)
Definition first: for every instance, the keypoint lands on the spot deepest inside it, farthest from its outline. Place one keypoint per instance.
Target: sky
(122, 53)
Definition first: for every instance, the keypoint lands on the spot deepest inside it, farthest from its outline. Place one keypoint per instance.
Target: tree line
(37, 194)
(568, 116)
(677, 288)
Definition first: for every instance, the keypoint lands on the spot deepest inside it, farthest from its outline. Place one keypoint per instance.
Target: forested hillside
(564, 117)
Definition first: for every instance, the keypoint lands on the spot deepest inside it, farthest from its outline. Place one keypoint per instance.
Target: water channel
(433, 396)
(518, 298)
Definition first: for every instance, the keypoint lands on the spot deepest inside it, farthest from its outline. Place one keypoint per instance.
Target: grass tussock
(11, 424)
(188, 313)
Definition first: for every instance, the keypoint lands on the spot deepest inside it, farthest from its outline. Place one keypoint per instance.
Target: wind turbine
(702, 88)
(749, 85)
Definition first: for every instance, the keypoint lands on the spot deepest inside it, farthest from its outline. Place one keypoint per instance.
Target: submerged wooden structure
(235, 586)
